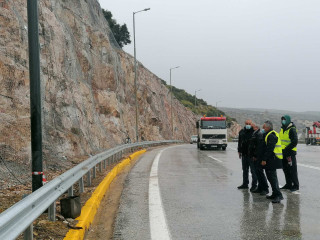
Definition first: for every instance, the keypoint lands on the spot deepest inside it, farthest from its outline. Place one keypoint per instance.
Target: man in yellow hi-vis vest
(289, 141)
(272, 159)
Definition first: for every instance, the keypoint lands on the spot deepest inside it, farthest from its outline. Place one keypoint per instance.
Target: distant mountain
(259, 116)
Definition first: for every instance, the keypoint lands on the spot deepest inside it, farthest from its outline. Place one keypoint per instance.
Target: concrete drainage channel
(20, 217)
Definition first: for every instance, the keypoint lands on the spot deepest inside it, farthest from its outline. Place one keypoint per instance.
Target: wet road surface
(192, 194)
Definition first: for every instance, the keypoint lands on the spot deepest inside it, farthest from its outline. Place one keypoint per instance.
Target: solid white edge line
(158, 226)
(308, 166)
(215, 159)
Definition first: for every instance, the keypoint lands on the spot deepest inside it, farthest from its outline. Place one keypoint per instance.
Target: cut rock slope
(87, 88)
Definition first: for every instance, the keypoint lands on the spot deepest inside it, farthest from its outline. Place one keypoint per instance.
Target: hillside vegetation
(202, 108)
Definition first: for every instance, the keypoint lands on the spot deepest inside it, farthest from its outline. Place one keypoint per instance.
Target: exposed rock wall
(87, 86)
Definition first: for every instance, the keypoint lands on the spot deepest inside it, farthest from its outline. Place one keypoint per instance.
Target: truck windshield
(213, 124)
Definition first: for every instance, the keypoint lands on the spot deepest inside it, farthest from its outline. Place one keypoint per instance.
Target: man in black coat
(245, 135)
(270, 161)
(289, 141)
(255, 153)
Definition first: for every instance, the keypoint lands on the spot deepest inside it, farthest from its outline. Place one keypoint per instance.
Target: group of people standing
(263, 151)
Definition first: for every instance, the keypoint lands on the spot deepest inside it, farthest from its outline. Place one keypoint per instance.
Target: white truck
(212, 132)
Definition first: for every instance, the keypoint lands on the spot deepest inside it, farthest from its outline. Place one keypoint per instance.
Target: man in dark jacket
(245, 135)
(255, 153)
(289, 141)
(271, 159)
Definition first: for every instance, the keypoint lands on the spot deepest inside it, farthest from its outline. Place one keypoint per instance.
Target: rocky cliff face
(87, 86)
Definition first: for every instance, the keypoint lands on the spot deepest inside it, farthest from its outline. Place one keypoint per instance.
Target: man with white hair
(272, 159)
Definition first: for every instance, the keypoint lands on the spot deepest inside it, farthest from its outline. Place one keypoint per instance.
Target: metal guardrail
(19, 218)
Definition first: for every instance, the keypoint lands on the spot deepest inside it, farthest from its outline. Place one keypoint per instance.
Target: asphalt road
(192, 194)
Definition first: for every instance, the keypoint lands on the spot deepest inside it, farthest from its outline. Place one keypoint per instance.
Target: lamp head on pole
(174, 67)
(146, 9)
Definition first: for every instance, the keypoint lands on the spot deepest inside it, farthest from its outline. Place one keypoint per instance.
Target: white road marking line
(215, 159)
(308, 166)
(158, 225)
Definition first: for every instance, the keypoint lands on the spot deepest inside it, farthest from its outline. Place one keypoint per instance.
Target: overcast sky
(244, 53)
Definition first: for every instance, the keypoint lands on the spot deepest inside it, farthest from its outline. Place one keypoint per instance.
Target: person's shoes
(271, 196)
(253, 188)
(293, 189)
(264, 192)
(243, 187)
(257, 190)
(286, 187)
(277, 199)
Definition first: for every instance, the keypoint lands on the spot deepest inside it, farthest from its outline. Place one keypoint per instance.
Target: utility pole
(35, 94)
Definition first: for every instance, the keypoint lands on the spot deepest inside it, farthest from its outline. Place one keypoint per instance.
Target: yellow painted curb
(89, 210)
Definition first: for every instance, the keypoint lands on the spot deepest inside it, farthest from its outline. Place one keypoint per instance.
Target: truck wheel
(224, 148)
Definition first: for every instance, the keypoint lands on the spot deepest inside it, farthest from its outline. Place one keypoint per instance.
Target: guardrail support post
(104, 164)
(70, 191)
(89, 178)
(81, 185)
(52, 212)
(28, 233)
(100, 167)
(94, 172)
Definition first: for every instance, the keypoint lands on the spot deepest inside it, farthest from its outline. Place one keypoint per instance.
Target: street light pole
(171, 99)
(195, 97)
(217, 104)
(135, 71)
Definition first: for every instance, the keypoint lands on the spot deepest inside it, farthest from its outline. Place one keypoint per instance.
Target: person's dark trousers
(294, 172)
(286, 171)
(291, 172)
(246, 164)
(262, 180)
(273, 180)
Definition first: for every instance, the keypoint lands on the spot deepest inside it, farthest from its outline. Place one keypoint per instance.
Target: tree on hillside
(120, 32)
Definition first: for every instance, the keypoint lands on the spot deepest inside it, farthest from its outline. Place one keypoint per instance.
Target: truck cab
(212, 133)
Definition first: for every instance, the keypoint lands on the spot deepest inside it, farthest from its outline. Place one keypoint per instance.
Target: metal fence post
(89, 178)
(28, 233)
(81, 185)
(52, 212)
